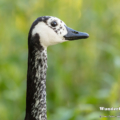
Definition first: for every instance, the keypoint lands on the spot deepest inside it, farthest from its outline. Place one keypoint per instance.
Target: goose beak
(75, 35)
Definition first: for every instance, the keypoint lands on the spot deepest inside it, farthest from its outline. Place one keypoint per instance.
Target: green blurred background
(82, 75)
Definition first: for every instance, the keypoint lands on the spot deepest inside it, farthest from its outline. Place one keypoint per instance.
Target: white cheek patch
(50, 35)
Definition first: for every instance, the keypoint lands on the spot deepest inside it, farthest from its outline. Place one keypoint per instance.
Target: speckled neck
(36, 84)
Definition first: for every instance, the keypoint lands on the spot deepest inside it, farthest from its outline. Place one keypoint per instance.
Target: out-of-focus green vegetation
(82, 75)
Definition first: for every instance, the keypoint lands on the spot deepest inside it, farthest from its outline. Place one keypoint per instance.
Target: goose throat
(36, 85)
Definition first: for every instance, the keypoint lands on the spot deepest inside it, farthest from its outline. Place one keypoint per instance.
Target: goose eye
(54, 23)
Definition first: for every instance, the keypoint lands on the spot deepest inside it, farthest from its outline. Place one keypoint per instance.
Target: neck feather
(36, 84)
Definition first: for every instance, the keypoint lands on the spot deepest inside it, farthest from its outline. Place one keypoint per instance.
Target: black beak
(75, 35)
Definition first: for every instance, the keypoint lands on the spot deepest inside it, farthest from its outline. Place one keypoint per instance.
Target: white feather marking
(37, 102)
(40, 117)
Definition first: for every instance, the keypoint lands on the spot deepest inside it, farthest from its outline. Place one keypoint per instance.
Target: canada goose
(45, 31)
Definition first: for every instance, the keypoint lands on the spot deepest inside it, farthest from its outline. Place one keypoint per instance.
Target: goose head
(51, 30)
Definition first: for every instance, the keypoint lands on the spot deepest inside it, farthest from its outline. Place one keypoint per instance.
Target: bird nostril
(75, 32)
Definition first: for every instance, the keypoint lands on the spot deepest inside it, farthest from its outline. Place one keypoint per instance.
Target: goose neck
(36, 85)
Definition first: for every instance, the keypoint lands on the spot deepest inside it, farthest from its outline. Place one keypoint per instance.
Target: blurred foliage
(82, 75)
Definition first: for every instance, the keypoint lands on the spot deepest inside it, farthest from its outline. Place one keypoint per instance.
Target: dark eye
(54, 23)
